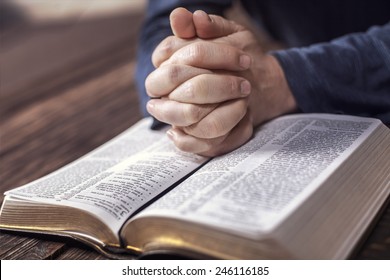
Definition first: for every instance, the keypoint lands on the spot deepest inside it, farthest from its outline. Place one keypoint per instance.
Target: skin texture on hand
(214, 84)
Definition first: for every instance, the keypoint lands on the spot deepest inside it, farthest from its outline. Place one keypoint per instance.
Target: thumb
(213, 26)
(182, 24)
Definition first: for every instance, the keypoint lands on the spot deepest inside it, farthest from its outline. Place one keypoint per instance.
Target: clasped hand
(213, 84)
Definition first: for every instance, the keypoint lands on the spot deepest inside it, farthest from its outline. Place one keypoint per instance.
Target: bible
(305, 186)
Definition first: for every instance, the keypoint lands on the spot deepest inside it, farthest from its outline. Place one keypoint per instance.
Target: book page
(253, 189)
(113, 181)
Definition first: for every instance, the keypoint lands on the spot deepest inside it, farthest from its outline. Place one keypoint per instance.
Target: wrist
(273, 96)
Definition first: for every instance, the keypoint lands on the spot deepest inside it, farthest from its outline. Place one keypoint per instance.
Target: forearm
(349, 75)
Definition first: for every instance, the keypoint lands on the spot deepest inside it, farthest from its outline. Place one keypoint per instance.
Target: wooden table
(62, 101)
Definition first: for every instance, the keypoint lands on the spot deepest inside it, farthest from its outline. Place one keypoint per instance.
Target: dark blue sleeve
(349, 75)
(156, 28)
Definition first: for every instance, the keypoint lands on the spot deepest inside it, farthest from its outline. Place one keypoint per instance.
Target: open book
(305, 186)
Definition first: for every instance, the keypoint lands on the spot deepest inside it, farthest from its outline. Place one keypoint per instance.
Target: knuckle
(232, 85)
(216, 126)
(247, 129)
(149, 85)
(209, 146)
(242, 104)
(173, 73)
(182, 145)
(247, 34)
(238, 109)
(229, 52)
(211, 153)
(167, 45)
(196, 52)
(212, 128)
(189, 90)
(163, 51)
(197, 88)
(213, 147)
(192, 113)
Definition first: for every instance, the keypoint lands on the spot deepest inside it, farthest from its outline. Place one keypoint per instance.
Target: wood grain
(64, 110)
(78, 98)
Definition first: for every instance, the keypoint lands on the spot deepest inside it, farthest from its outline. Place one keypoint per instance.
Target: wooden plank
(19, 246)
(66, 89)
(8, 244)
(56, 82)
(41, 53)
(49, 134)
(80, 253)
(377, 245)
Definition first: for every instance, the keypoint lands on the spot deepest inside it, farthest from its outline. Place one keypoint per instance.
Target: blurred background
(66, 81)
(42, 39)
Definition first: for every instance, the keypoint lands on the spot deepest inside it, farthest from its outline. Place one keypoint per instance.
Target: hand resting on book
(214, 83)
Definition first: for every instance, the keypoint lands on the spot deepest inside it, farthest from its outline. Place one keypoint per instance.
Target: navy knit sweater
(338, 55)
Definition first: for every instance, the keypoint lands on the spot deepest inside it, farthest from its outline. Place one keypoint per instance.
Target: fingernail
(245, 87)
(245, 61)
(203, 14)
(150, 106)
(171, 134)
(207, 16)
